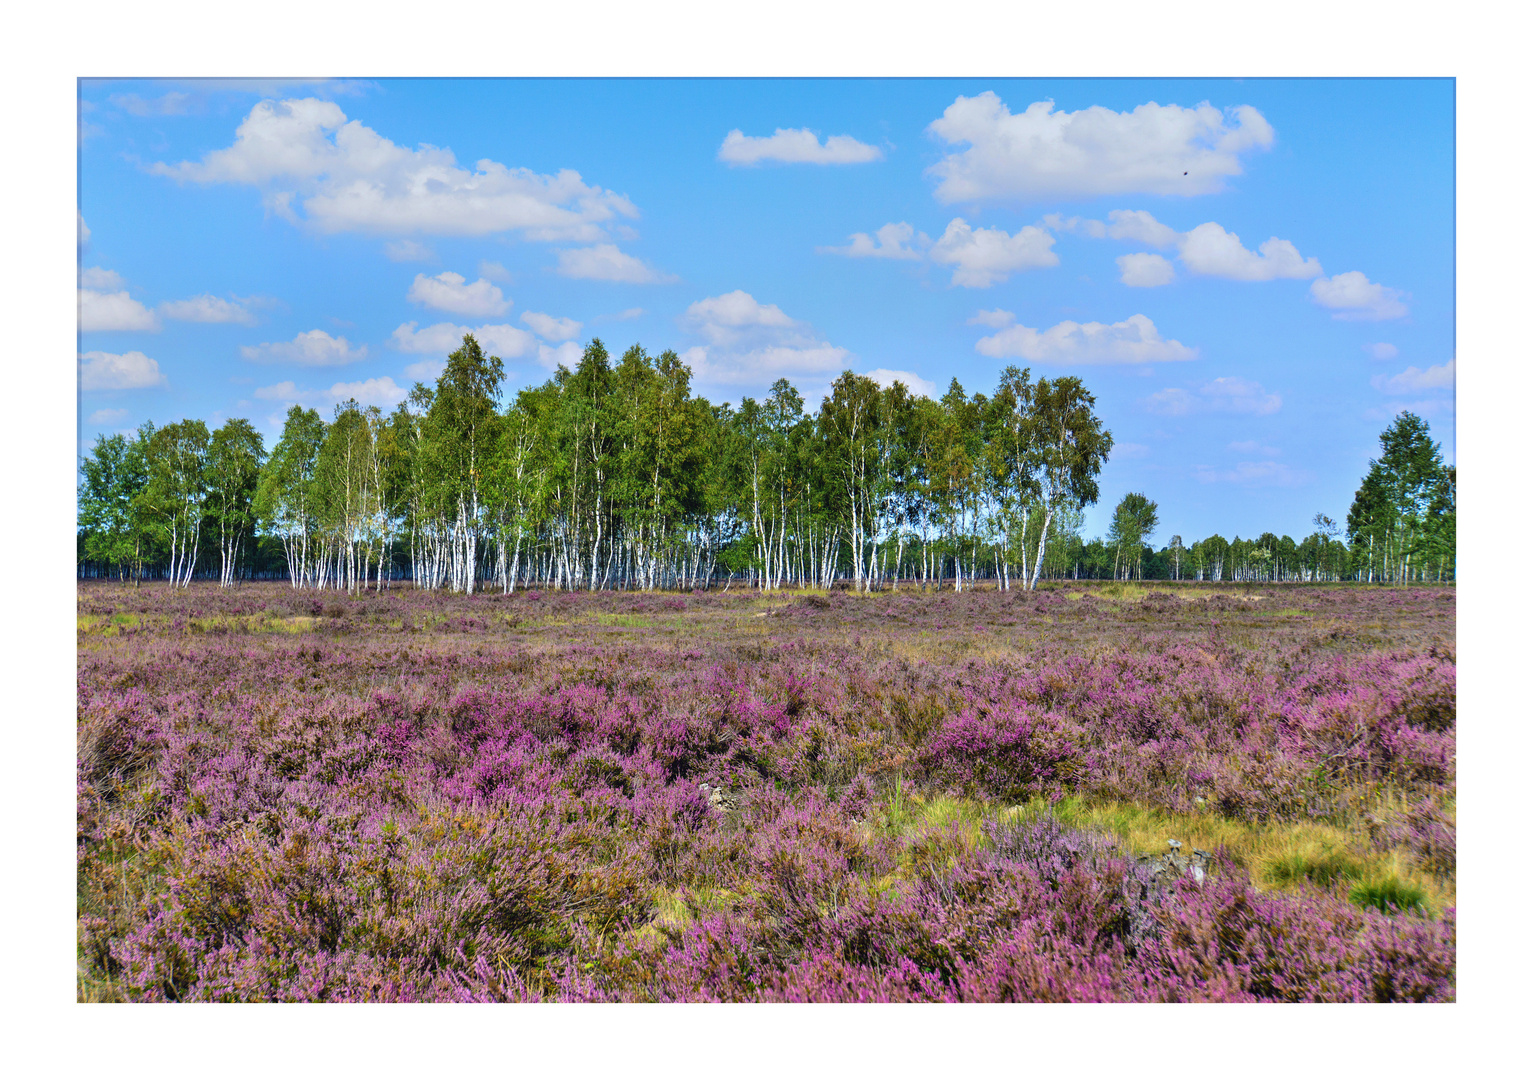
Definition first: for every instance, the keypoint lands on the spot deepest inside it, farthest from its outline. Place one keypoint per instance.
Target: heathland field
(290, 795)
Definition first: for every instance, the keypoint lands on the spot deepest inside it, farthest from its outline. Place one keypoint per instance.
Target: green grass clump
(1389, 894)
(1324, 868)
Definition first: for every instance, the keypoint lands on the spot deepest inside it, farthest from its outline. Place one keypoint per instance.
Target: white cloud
(1251, 446)
(114, 371)
(113, 311)
(493, 271)
(723, 320)
(107, 416)
(604, 262)
(1222, 395)
(764, 366)
(628, 313)
(994, 319)
(408, 251)
(890, 242)
(425, 371)
(1254, 474)
(567, 354)
(82, 232)
(447, 292)
(95, 277)
(1353, 297)
(550, 328)
(753, 344)
(499, 339)
(795, 146)
(1090, 226)
(914, 383)
(1135, 340)
(348, 178)
(1413, 380)
(1210, 250)
(312, 348)
(1381, 350)
(1145, 270)
(382, 392)
(207, 309)
(1095, 151)
(984, 257)
(1138, 226)
(1130, 450)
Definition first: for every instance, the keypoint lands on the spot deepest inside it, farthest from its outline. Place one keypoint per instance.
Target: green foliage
(1389, 895)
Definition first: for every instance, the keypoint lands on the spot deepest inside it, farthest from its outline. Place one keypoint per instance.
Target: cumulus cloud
(107, 416)
(82, 230)
(119, 371)
(551, 356)
(1381, 350)
(994, 319)
(798, 146)
(312, 348)
(382, 392)
(627, 313)
(1209, 249)
(408, 251)
(1140, 227)
(893, 241)
(983, 257)
(1135, 340)
(493, 271)
(1254, 474)
(345, 177)
(1145, 270)
(754, 344)
(113, 311)
(1214, 252)
(208, 309)
(1414, 380)
(499, 339)
(550, 328)
(1354, 298)
(94, 277)
(1222, 395)
(1040, 153)
(725, 319)
(918, 386)
(604, 262)
(448, 292)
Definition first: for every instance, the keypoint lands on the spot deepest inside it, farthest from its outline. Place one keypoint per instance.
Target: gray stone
(1150, 879)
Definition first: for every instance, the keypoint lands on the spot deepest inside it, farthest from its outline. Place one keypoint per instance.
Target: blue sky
(1248, 327)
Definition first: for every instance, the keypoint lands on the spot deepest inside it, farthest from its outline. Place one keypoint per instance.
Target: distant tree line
(1400, 529)
(615, 476)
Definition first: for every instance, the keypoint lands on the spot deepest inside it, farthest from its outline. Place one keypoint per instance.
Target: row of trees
(613, 476)
(1399, 529)
(617, 476)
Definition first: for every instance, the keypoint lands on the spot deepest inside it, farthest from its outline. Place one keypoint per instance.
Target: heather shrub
(417, 797)
(1005, 752)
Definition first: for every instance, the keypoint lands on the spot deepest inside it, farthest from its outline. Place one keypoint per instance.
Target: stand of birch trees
(614, 475)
